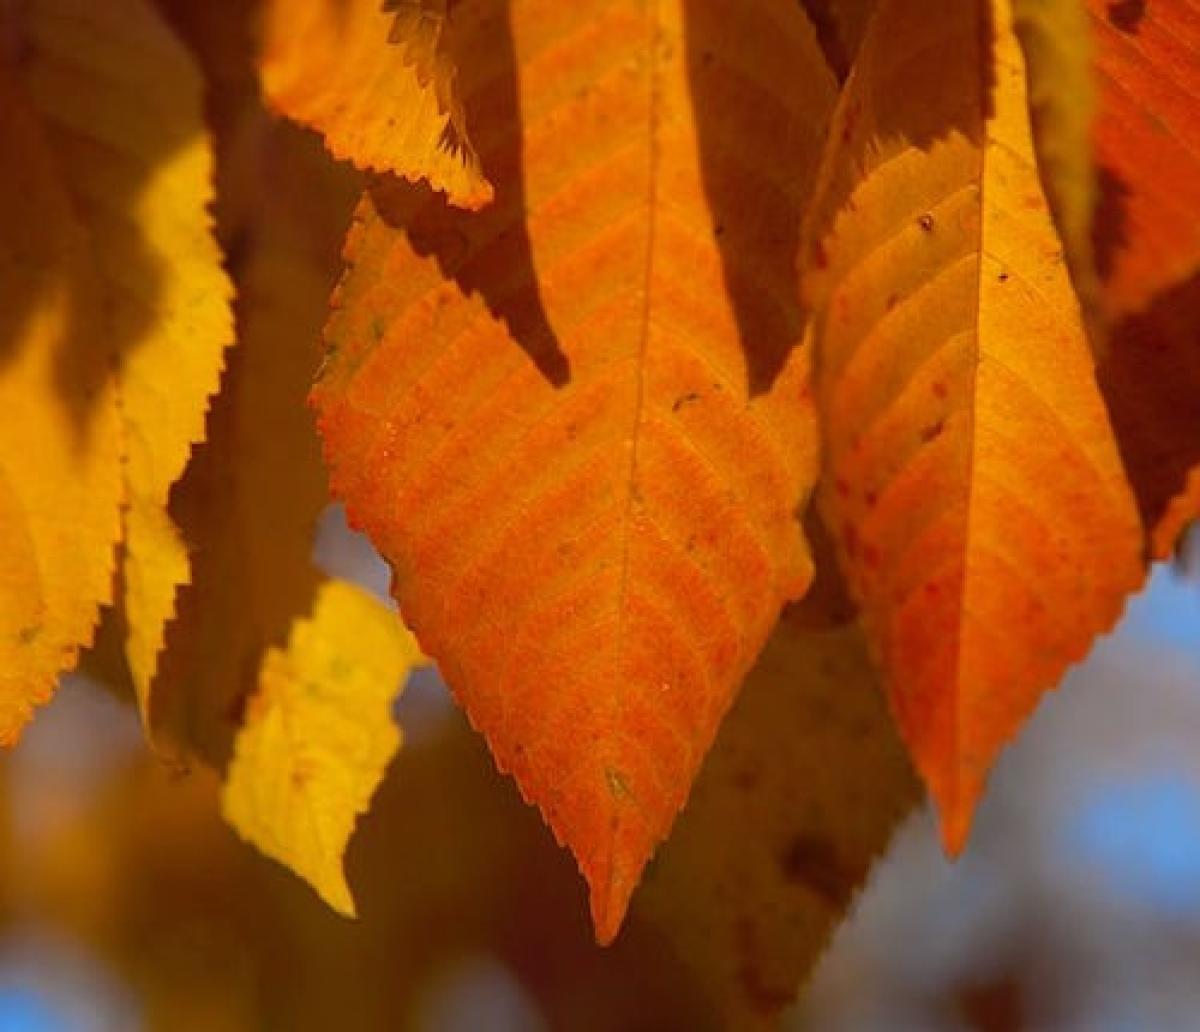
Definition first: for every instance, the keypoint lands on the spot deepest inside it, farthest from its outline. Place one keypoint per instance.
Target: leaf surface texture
(584, 454)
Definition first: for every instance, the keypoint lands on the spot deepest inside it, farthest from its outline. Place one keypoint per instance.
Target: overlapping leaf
(377, 79)
(1126, 173)
(799, 796)
(254, 493)
(122, 102)
(588, 494)
(972, 482)
(60, 436)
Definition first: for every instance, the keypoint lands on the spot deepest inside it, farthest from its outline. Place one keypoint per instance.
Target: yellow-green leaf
(318, 736)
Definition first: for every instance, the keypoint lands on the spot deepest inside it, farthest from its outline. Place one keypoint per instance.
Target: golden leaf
(318, 736)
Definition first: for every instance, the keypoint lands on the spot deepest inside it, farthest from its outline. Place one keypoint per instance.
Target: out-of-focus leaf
(318, 735)
(972, 482)
(252, 497)
(60, 435)
(122, 103)
(800, 794)
(1150, 375)
(378, 80)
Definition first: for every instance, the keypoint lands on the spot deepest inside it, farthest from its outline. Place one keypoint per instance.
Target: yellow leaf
(380, 87)
(123, 106)
(60, 435)
(319, 735)
(972, 481)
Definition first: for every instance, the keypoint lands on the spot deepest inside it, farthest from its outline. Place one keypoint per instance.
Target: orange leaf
(973, 485)
(1147, 236)
(1147, 136)
(380, 87)
(60, 435)
(589, 501)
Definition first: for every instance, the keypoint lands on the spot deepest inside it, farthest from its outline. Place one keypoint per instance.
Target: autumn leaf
(1147, 236)
(378, 81)
(798, 797)
(588, 493)
(122, 103)
(60, 438)
(1127, 180)
(318, 736)
(254, 492)
(972, 483)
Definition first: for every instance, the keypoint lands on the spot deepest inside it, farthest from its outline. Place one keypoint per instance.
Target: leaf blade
(126, 122)
(955, 375)
(318, 736)
(594, 618)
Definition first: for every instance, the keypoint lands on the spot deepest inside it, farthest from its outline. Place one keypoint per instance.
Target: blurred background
(125, 903)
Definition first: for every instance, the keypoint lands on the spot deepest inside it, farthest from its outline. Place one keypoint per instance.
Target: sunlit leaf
(378, 81)
(588, 494)
(972, 482)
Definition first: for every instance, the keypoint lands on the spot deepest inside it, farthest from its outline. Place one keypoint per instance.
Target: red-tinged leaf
(589, 494)
(1147, 138)
(1150, 375)
(1123, 167)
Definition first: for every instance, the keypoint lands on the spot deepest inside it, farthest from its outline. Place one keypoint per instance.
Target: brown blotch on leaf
(1127, 15)
(812, 863)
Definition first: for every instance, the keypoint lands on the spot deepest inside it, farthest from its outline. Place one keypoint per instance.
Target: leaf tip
(955, 804)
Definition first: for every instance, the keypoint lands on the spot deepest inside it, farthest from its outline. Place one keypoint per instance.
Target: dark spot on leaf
(813, 863)
(926, 222)
(1127, 15)
(684, 399)
(1003, 277)
(933, 431)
